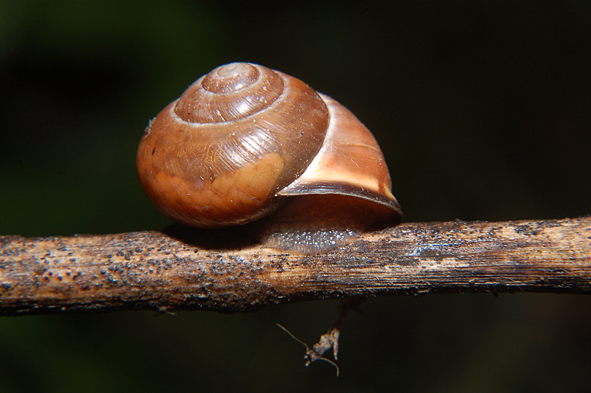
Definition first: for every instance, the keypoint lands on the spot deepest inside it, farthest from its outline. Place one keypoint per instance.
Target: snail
(245, 143)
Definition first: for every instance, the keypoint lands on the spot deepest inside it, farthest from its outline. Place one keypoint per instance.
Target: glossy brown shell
(244, 138)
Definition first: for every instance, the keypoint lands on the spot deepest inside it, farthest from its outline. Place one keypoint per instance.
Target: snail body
(246, 143)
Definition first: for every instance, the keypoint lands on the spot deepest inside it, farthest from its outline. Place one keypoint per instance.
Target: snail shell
(245, 143)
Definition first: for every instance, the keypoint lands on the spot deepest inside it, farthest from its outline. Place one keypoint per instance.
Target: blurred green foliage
(481, 109)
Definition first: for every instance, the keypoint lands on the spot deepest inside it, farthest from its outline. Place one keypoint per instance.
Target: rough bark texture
(181, 268)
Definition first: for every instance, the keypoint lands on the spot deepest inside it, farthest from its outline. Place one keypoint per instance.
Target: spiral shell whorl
(230, 77)
(220, 153)
(252, 89)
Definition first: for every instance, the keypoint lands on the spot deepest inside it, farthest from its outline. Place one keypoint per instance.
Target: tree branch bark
(182, 268)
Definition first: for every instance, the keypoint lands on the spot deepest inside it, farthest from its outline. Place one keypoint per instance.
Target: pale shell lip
(315, 188)
(349, 163)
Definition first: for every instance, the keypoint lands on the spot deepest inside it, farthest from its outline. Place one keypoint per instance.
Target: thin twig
(182, 268)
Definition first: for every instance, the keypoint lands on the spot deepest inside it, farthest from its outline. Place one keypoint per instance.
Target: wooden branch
(181, 268)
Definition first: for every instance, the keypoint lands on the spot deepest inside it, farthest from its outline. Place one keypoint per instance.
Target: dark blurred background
(482, 109)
